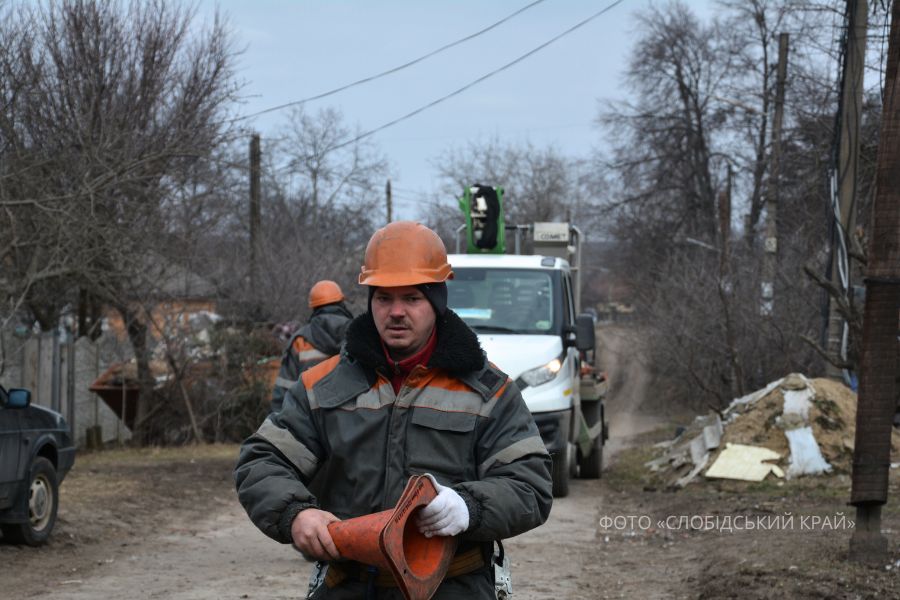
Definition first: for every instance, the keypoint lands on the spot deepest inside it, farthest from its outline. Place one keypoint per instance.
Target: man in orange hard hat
(411, 393)
(319, 339)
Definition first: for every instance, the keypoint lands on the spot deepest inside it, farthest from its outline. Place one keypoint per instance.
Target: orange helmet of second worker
(404, 253)
(325, 292)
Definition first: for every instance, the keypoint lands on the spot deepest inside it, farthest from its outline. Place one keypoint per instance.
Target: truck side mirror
(584, 332)
(18, 398)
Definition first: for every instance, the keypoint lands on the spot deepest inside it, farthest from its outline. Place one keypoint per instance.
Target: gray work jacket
(346, 443)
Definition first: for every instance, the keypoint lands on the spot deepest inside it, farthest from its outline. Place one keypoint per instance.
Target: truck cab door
(573, 358)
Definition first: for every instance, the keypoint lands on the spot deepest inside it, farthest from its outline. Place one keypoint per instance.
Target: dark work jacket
(319, 339)
(346, 443)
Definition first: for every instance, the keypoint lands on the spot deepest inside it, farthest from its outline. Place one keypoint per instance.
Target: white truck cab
(523, 309)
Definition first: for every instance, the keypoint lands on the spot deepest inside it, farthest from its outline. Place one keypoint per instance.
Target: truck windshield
(518, 301)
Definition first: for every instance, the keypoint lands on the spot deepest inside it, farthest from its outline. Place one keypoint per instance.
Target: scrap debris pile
(794, 426)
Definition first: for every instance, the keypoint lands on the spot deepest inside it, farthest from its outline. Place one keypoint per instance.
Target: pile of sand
(832, 417)
(826, 407)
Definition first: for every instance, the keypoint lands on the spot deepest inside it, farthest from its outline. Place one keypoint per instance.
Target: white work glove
(446, 515)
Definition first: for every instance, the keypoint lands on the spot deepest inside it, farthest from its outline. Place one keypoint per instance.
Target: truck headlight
(542, 374)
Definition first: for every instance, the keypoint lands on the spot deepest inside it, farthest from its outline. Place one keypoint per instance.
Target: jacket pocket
(441, 443)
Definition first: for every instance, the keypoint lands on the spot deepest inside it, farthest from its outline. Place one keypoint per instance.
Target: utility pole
(255, 159)
(848, 159)
(390, 208)
(767, 287)
(878, 363)
(725, 224)
(726, 289)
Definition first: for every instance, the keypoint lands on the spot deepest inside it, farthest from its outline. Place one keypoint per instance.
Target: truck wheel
(573, 460)
(560, 473)
(590, 467)
(43, 500)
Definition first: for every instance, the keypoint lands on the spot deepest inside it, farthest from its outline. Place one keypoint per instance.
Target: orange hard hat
(325, 292)
(404, 253)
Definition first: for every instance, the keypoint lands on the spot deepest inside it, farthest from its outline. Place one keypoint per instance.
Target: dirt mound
(756, 424)
(818, 416)
(833, 419)
(832, 416)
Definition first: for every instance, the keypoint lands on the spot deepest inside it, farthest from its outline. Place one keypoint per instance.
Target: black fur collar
(457, 350)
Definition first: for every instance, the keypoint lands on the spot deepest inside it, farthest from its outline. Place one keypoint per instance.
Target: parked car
(36, 452)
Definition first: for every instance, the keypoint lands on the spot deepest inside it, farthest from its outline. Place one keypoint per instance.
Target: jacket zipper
(387, 447)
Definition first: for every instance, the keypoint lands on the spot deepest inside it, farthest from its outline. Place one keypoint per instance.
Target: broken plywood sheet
(738, 461)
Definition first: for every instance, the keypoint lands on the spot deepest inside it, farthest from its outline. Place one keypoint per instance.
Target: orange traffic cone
(390, 540)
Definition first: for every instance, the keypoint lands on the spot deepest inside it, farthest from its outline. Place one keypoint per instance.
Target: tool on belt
(502, 576)
(463, 563)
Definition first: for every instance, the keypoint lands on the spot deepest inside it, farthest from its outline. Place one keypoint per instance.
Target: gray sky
(295, 49)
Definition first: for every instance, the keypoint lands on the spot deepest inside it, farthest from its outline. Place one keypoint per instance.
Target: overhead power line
(395, 69)
(479, 80)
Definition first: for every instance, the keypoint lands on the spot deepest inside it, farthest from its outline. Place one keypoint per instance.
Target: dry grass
(155, 455)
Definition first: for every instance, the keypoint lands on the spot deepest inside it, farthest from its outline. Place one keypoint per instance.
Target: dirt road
(158, 543)
(166, 525)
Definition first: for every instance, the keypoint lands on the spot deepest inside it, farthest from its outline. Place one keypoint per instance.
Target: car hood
(515, 354)
(41, 417)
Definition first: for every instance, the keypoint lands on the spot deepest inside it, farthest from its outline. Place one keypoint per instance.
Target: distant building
(181, 297)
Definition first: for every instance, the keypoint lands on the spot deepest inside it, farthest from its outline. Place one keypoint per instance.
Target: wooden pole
(70, 382)
(726, 289)
(770, 258)
(387, 193)
(878, 356)
(255, 158)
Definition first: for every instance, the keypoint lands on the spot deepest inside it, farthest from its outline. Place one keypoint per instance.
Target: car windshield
(516, 301)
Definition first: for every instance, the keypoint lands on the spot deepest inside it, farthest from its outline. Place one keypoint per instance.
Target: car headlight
(542, 374)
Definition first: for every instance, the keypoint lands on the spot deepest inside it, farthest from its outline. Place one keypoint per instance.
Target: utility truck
(525, 308)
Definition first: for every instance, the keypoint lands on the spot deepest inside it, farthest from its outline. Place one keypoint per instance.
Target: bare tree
(666, 139)
(325, 171)
(319, 207)
(702, 96)
(540, 184)
(119, 103)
